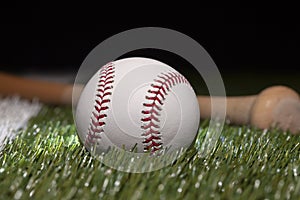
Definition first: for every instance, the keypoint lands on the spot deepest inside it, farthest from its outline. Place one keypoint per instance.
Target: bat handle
(238, 108)
(47, 92)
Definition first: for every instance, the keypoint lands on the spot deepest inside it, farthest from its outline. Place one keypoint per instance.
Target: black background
(240, 40)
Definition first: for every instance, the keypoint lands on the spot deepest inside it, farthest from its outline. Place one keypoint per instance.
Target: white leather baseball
(137, 102)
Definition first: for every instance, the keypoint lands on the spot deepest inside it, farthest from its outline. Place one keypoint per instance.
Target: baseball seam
(155, 100)
(103, 92)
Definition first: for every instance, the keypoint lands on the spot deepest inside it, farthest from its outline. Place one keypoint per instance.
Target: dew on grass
(236, 159)
(263, 168)
(42, 166)
(132, 160)
(280, 184)
(94, 189)
(239, 191)
(161, 187)
(277, 195)
(29, 184)
(268, 189)
(291, 187)
(53, 183)
(179, 169)
(200, 177)
(257, 183)
(179, 190)
(222, 138)
(295, 173)
(240, 132)
(117, 183)
(31, 193)
(220, 183)
(18, 194)
(108, 172)
(105, 183)
(36, 131)
(217, 164)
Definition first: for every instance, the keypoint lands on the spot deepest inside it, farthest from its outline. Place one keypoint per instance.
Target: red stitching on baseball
(160, 88)
(97, 122)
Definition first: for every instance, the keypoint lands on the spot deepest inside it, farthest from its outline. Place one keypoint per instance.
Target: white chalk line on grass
(14, 115)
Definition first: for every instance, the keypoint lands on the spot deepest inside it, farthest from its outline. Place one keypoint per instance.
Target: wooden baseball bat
(274, 106)
(47, 92)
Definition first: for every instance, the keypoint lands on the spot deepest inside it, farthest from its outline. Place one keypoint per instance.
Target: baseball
(137, 104)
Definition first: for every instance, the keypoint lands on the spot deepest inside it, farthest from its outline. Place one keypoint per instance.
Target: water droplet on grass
(94, 189)
(278, 170)
(268, 189)
(18, 194)
(257, 183)
(239, 191)
(108, 172)
(277, 195)
(262, 168)
(220, 183)
(105, 183)
(117, 183)
(161, 187)
(200, 177)
(295, 172)
(281, 184)
(31, 193)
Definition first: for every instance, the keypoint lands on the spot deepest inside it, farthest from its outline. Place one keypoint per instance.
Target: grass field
(46, 161)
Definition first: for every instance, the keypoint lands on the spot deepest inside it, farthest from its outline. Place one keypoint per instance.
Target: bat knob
(287, 115)
(277, 106)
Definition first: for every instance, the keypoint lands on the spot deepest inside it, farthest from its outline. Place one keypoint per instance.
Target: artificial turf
(47, 161)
